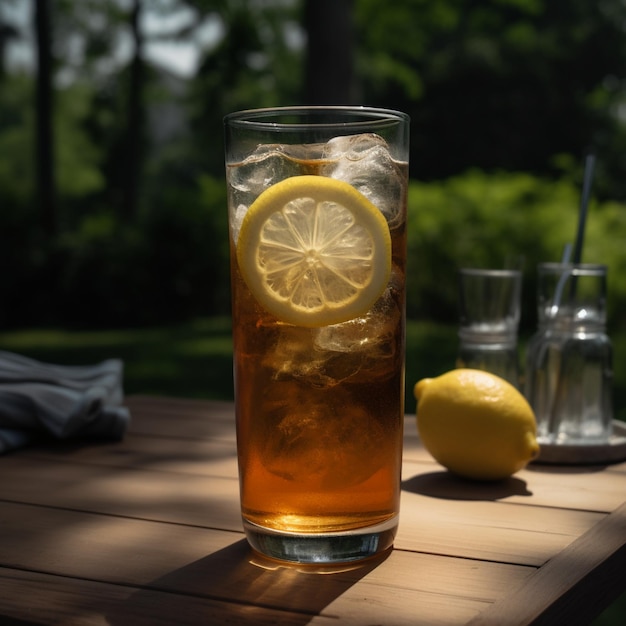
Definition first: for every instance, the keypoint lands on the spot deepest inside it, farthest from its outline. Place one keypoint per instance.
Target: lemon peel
(314, 251)
(476, 424)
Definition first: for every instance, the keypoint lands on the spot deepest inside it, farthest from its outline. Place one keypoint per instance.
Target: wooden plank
(489, 530)
(201, 500)
(179, 405)
(74, 602)
(186, 419)
(590, 489)
(474, 529)
(207, 457)
(559, 592)
(554, 487)
(194, 562)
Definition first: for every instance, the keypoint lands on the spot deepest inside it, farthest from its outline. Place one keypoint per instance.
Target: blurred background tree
(112, 213)
(519, 85)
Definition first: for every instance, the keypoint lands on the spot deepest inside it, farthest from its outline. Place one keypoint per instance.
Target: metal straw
(590, 163)
(554, 419)
(558, 292)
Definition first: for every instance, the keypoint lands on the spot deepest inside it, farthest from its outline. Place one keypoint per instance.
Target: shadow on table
(450, 487)
(234, 586)
(564, 468)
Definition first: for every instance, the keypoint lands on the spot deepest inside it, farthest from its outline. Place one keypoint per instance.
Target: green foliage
(504, 84)
(254, 64)
(78, 158)
(16, 141)
(169, 265)
(481, 220)
(500, 86)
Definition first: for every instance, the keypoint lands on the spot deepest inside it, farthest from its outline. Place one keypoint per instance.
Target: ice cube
(364, 162)
(352, 147)
(266, 166)
(368, 344)
(237, 219)
(320, 446)
(360, 350)
(294, 357)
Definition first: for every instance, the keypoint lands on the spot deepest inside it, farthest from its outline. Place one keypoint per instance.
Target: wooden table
(147, 531)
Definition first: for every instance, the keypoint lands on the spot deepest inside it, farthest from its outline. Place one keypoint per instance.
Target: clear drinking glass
(319, 406)
(569, 360)
(489, 314)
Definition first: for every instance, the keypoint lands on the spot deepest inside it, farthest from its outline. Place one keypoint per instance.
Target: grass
(190, 360)
(195, 360)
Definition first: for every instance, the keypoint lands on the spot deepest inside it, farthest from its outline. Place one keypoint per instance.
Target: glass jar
(569, 360)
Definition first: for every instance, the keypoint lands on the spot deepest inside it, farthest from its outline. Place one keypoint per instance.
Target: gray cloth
(59, 401)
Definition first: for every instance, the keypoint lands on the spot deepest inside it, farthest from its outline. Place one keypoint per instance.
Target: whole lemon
(476, 424)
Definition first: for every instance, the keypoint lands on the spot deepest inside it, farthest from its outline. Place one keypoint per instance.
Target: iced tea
(320, 410)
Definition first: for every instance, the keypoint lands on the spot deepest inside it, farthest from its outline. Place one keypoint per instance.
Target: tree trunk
(7, 32)
(329, 66)
(46, 192)
(134, 131)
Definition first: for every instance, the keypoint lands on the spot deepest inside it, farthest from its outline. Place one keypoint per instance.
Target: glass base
(571, 440)
(575, 433)
(330, 548)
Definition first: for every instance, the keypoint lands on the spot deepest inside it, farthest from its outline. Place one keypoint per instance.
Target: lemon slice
(314, 251)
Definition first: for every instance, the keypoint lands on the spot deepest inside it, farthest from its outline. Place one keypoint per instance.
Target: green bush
(499, 220)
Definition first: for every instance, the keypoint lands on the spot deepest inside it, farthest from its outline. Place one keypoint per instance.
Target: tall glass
(319, 401)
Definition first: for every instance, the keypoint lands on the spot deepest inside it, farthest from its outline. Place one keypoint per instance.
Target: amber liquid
(320, 412)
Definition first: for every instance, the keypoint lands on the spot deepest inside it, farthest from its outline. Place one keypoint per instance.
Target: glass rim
(576, 269)
(495, 273)
(364, 116)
